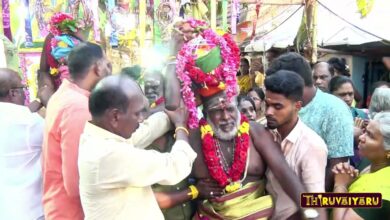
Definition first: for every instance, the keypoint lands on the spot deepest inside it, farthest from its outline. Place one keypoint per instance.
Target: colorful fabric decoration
(165, 13)
(195, 9)
(61, 47)
(234, 15)
(228, 177)
(86, 19)
(94, 4)
(6, 19)
(27, 25)
(110, 4)
(207, 64)
(25, 81)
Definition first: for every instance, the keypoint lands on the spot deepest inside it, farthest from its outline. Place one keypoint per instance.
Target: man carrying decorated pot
(233, 154)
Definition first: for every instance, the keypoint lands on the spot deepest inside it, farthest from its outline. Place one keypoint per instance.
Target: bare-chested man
(224, 119)
(233, 155)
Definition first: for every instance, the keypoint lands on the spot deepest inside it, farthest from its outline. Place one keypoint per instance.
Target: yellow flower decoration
(220, 31)
(206, 129)
(53, 71)
(243, 129)
(62, 44)
(232, 187)
(126, 39)
(222, 86)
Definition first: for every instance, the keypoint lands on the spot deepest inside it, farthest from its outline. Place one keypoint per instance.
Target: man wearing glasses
(21, 134)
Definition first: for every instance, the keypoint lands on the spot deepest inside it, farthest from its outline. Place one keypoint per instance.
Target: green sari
(374, 182)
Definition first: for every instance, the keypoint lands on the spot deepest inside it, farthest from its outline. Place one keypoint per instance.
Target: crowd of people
(108, 147)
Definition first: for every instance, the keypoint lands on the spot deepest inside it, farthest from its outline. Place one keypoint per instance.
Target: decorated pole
(27, 25)
(95, 18)
(224, 15)
(6, 19)
(213, 17)
(233, 17)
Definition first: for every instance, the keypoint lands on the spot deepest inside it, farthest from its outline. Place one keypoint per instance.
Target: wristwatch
(310, 213)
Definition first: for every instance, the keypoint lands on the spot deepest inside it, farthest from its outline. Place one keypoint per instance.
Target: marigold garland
(157, 102)
(188, 73)
(231, 179)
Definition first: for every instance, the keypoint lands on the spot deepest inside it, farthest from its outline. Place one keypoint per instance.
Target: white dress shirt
(116, 177)
(21, 134)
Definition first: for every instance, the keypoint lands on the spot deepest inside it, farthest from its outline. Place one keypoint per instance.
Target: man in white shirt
(115, 175)
(304, 150)
(21, 134)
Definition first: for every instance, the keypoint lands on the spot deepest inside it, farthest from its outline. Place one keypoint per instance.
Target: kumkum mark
(341, 200)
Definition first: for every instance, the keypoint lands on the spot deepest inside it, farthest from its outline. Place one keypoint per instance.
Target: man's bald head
(117, 104)
(113, 92)
(11, 88)
(8, 79)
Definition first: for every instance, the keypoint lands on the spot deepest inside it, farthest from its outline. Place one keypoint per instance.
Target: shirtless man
(237, 154)
(264, 153)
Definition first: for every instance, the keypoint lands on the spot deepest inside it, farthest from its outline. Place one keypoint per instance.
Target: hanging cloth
(6, 19)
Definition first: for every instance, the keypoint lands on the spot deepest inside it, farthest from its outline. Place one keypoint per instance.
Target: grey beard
(225, 136)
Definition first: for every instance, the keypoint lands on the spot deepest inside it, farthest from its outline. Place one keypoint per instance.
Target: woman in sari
(375, 146)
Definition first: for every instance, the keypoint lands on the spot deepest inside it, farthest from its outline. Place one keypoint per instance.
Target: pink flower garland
(225, 71)
(56, 20)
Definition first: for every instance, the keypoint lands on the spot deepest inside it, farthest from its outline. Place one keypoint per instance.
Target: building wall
(357, 70)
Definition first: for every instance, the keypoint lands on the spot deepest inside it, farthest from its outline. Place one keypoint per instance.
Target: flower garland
(157, 102)
(188, 72)
(61, 46)
(61, 22)
(231, 179)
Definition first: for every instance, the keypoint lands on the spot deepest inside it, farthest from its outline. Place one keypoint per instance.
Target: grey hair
(380, 101)
(383, 118)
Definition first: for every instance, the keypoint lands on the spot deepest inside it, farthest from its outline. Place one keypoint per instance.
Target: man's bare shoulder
(258, 131)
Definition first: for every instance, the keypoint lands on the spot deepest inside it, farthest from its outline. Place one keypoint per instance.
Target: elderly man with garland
(233, 155)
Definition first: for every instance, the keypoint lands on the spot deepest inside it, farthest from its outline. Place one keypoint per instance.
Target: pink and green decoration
(205, 66)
